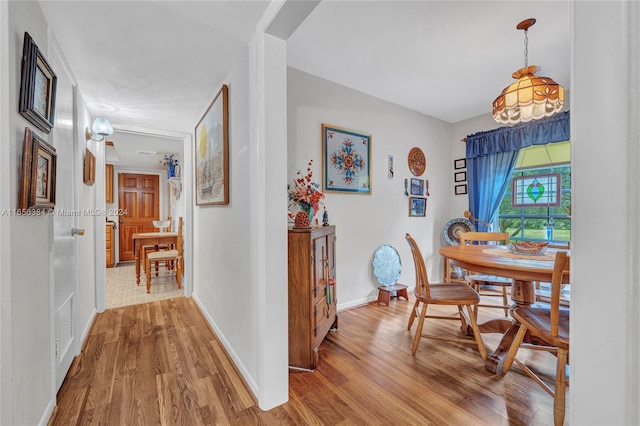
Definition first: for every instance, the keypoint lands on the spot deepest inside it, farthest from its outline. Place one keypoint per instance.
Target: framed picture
(212, 152)
(346, 160)
(417, 186)
(460, 163)
(89, 175)
(460, 176)
(417, 206)
(461, 189)
(390, 166)
(536, 190)
(37, 87)
(38, 180)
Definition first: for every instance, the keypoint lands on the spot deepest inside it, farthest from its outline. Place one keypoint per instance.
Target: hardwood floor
(159, 363)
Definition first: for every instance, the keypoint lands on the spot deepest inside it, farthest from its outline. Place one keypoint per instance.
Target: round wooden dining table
(498, 260)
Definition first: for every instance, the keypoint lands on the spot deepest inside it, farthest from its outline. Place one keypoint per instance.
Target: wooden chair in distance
(152, 248)
(172, 257)
(549, 323)
(478, 280)
(455, 294)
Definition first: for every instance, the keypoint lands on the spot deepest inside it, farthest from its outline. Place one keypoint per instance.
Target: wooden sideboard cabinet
(111, 247)
(312, 292)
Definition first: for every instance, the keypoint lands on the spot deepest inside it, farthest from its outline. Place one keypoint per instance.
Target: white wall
(6, 202)
(221, 241)
(85, 200)
(31, 242)
(27, 268)
(605, 270)
(364, 222)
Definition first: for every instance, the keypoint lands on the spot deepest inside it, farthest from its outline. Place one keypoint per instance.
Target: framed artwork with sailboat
(212, 152)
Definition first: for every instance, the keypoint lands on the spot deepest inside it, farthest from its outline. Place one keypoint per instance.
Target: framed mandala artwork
(346, 160)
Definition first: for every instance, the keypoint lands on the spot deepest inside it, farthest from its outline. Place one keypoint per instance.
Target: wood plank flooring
(159, 363)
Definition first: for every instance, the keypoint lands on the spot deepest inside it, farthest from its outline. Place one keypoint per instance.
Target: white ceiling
(158, 64)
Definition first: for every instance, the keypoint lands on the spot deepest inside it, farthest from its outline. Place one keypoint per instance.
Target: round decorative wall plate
(417, 161)
(455, 227)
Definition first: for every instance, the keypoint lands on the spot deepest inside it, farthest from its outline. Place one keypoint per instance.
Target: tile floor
(123, 291)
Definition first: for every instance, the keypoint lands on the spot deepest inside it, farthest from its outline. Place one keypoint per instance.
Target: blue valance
(505, 139)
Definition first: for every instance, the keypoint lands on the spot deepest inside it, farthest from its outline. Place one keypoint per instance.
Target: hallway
(123, 291)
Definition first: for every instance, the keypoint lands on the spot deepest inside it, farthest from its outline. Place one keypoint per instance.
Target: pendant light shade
(530, 97)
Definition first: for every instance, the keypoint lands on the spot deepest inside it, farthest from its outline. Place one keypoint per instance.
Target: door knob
(76, 231)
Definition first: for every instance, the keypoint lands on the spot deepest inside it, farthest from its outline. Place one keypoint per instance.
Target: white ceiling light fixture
(530, 97)
(100, 128)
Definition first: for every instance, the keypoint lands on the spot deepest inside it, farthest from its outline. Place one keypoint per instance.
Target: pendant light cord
(526, 48)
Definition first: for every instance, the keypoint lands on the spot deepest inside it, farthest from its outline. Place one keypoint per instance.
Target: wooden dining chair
(455, 294)
(549, 323)
(172, 257)
(477, 281)
(543, 289)
(152, 248)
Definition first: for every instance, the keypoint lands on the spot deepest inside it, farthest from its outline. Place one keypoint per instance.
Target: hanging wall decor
(417, 161)
(37, 87)
(346, 160)
(89, 175)
(38, 180)
(417, 206)
(417, 186)
(212, 152)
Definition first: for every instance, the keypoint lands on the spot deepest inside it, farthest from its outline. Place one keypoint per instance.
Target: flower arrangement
(171, 164)
(305, 193)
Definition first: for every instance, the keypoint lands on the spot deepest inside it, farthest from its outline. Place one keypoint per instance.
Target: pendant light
(530, 97)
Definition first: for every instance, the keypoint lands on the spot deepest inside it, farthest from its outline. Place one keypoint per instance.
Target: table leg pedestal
(495, 361)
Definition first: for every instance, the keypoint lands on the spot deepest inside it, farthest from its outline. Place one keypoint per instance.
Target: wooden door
(139, 201)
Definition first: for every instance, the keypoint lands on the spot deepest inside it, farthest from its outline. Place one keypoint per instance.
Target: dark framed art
(417, 186)
(37, 87)
(460, 176)
(346, 160)
(38, 179)
(417, 206)
(212, 152)
(89, 175)
(460, 163)
(461, 189)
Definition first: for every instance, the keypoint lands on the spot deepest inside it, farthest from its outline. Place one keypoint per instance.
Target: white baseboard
(87, 327)
(253, 386)
(47, 413)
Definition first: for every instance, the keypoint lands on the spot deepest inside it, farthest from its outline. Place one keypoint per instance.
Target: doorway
(139, 205)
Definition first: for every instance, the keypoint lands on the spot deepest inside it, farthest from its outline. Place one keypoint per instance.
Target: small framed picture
(38, 182)
(89, 175)
(460, 163)
(461, 189)
(37, 87)
(460, 177)
(417, 206)
(417, 186)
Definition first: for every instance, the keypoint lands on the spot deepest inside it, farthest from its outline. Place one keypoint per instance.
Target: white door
(64, 243)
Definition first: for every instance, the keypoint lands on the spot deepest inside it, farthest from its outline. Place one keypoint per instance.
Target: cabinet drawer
(323, 318)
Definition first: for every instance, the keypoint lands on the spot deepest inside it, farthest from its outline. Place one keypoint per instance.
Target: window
(540, 221)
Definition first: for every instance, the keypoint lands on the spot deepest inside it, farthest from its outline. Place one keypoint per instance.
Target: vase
(303, 218)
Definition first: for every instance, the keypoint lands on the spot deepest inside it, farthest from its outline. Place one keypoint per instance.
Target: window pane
(531, 222)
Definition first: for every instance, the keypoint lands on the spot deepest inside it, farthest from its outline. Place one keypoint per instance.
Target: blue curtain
(491, 158)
